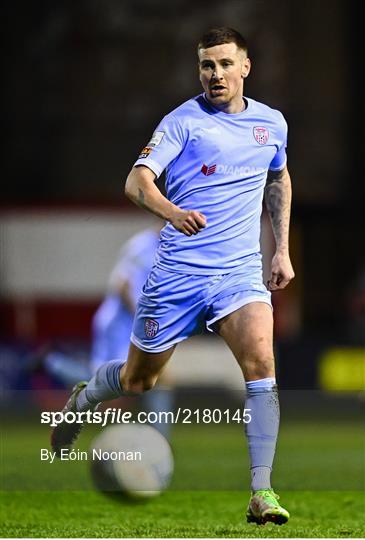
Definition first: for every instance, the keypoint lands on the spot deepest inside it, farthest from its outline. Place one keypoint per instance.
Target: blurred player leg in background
(112, 325)
(66, 369)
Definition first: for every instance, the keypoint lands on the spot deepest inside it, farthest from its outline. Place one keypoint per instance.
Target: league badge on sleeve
(261, 134)
(150, 328)
(156, 138)
(145, 152)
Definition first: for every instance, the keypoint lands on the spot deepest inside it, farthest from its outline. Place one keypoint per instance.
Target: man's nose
(217, 74)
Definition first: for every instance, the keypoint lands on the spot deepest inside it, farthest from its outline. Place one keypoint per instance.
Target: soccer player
(222, 153)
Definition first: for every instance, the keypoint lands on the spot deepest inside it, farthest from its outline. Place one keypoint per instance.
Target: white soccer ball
(133, 459)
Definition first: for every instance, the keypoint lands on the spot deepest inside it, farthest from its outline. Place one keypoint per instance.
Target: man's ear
(246, 68)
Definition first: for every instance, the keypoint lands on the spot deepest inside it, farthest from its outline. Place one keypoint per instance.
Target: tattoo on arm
(141, 197)
(278, 201)
(141, 202)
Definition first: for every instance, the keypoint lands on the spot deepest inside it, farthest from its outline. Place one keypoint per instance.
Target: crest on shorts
(150, 327)
(261, 134)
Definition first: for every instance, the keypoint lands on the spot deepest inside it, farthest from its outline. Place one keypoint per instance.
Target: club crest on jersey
(145, 152)
(150, 327)
(261, 134)
(207, 170)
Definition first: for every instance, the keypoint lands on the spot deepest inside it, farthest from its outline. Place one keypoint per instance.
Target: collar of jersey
(222, 113)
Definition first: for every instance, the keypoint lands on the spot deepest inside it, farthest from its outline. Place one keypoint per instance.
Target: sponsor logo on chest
(208, 169)
(229, 170)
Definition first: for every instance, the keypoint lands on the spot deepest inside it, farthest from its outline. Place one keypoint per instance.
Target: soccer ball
(134, 459)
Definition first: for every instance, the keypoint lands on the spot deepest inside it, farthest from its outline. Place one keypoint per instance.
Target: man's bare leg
(142, 369)
(141, 373)
(116, 378)
(248, 332)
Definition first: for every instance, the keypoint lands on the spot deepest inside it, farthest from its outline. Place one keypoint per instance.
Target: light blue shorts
(173, 306)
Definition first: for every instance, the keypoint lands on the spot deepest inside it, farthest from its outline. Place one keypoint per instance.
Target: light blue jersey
(216, 163)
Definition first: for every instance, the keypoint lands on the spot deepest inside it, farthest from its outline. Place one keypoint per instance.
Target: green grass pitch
(319, 473)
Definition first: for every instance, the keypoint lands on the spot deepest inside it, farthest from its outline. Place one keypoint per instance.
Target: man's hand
(188, 221)
(281, 272)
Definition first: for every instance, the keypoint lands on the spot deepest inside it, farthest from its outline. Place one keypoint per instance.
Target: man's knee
(141, 371)
(137, 385)
(257, 366)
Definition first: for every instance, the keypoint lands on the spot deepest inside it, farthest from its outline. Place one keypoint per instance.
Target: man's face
(222, 69)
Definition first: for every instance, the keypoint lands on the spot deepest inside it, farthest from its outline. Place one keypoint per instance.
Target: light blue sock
(103, 386)
(160, 400)
(262, 431)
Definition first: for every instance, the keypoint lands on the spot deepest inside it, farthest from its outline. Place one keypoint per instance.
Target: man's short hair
(220, 35)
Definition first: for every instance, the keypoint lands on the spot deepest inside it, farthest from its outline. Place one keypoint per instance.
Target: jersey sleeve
(279, 160)
(166, 144)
